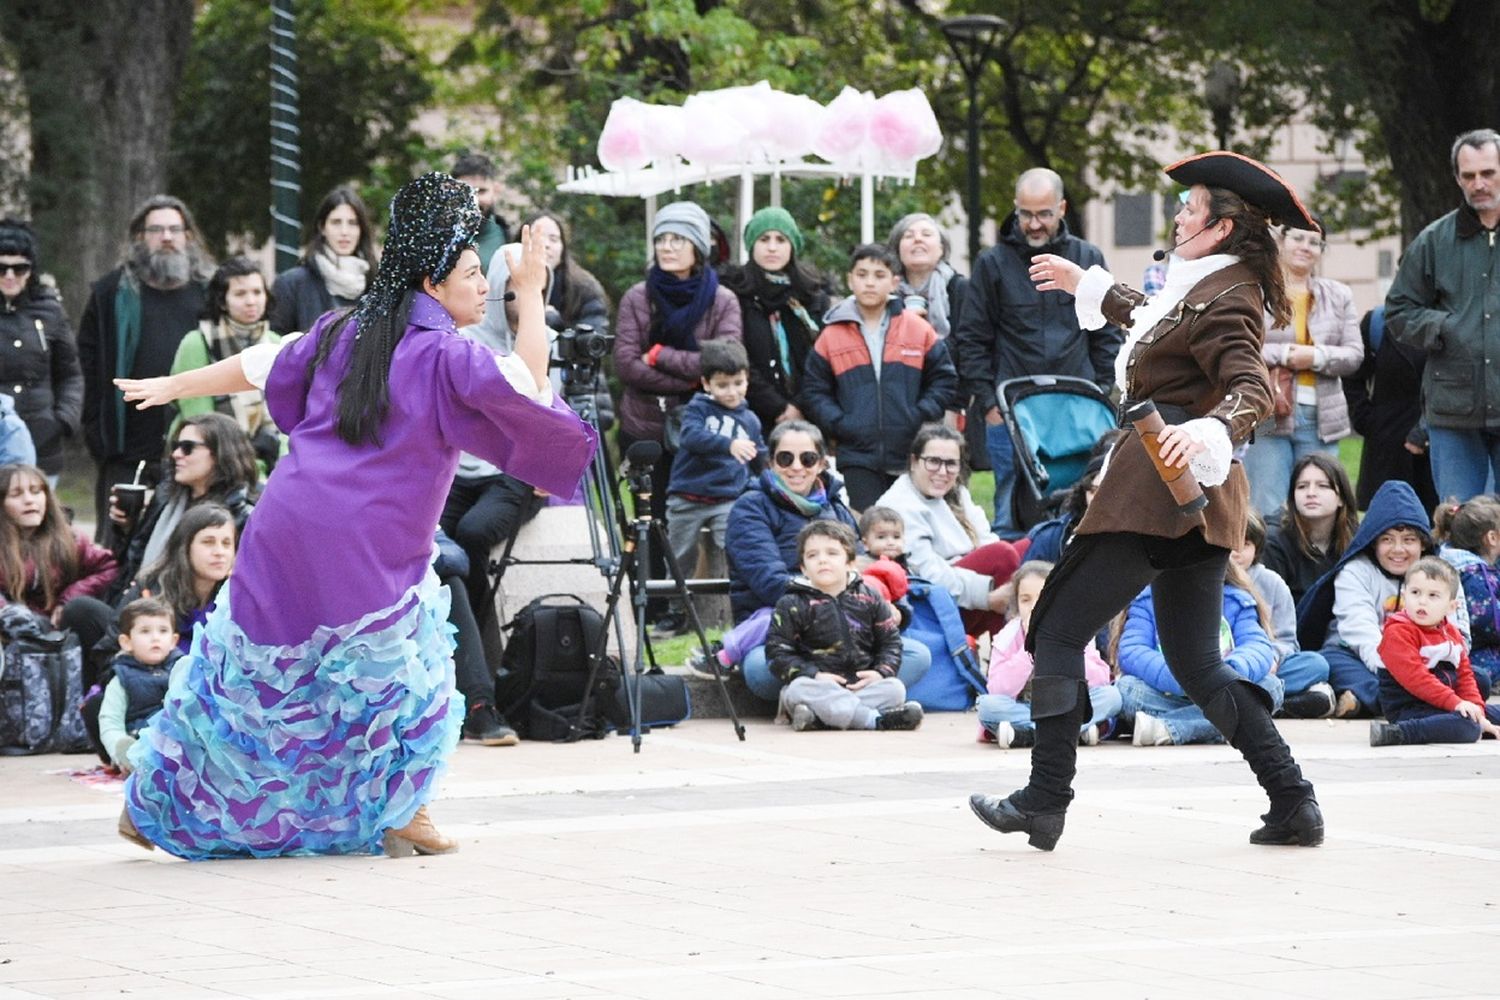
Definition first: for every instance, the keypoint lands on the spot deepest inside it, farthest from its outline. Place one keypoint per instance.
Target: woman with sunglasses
(211, 460)
(948, 536)
(1308, 359)
(38, 359)
(660, 324)
(764, 523)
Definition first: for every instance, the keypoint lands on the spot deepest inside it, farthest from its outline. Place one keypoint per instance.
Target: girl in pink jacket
(1005, 713)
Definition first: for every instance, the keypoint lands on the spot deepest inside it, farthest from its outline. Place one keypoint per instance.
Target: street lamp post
(971, 37)
(1221, 92)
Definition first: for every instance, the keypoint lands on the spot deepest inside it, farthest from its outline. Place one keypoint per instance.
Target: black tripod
(620, 546)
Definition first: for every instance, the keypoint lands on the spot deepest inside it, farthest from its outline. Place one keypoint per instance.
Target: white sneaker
(804, 718)
(1008, 737)
(1150, 731)
(1089, 737)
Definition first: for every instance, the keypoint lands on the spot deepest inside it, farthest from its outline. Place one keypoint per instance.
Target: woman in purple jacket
(316, 708)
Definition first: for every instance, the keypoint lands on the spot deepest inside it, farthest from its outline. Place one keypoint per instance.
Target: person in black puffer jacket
(38, 359)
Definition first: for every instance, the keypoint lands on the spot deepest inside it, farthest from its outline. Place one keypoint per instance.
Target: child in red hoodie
(1427, 688)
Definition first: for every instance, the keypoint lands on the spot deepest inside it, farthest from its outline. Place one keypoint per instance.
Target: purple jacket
(343, 531)
(650, 390)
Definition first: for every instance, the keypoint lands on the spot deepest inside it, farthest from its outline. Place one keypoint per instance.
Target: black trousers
(481, 514)
(1097, 578)
(865, 486)
(472, 674)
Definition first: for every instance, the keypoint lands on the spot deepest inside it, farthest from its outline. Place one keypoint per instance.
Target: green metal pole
(286, 147)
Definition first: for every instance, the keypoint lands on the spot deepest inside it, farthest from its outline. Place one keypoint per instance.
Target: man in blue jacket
(1007, 329)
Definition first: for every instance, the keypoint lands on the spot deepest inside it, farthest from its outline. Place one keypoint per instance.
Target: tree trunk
(101, 79)
(1429, 80)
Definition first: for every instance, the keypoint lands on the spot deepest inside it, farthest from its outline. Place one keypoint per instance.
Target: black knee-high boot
(1059, 708)
(1242, 712)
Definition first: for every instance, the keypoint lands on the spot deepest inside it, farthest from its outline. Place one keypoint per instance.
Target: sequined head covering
(434, 218)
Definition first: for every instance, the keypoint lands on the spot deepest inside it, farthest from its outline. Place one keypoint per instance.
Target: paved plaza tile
(793, 865)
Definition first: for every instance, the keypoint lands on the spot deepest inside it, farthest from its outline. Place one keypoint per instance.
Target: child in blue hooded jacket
(1343, 613)
(1471, 544)
(1155, 705)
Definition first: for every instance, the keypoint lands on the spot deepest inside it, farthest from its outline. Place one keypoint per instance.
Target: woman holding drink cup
(1193, 351)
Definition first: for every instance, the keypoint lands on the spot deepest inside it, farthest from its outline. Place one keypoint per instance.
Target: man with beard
(1007, 329)
(476, 170)
(1446, 301)
(136, 316)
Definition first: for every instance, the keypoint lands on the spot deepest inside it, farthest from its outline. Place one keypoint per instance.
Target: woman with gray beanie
(659, 327)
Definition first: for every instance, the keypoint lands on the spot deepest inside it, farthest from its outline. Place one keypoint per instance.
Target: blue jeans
(1301, 670)
(997, 708)
(915, 660)
(1184, 721)
(1269, 461)
(1464, 463)
(1003, 462)
(1347, 672)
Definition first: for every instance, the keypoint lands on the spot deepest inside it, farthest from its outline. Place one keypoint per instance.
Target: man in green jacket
(477, 171)
(1446, 301)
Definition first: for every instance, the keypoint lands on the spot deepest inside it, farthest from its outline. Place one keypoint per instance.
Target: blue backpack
(954, 678)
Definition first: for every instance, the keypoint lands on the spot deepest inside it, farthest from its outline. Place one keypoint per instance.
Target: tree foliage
(362, 83)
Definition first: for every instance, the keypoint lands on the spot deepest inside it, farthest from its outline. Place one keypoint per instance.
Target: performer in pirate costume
(316, 708)
(1194, 350)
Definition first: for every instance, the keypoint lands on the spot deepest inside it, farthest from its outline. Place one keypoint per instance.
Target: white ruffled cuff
(256, 360)
(1088, 299)
(519, 377)
(1211, 466)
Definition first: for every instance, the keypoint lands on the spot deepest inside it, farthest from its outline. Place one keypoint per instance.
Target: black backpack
(553, 644)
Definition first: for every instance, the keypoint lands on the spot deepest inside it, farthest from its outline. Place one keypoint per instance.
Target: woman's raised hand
(1051, 273)
(148, 392)
(529, 273)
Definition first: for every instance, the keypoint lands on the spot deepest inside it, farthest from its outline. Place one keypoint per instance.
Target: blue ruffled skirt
(310, 749)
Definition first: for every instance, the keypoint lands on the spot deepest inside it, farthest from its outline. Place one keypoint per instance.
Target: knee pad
(1052, 697)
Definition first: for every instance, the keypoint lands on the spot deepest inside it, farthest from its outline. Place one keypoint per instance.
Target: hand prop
(1185, 489)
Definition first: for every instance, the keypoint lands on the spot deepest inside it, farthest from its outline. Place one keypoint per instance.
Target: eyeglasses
(808, 459)
(187, 447)
(670, 241)
(19, 270)
(165, 230)
(934, 464)
(1044, 216)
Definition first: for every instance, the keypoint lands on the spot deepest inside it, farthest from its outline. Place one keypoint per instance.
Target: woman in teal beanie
(782, 300)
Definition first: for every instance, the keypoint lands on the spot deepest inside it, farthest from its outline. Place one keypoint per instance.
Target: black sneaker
(702, 664)
(487, 726)
(908, 716)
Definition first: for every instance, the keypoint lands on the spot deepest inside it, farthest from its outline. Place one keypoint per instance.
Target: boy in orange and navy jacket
(876, 373)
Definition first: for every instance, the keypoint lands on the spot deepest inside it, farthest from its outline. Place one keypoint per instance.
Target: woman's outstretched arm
(219, 379)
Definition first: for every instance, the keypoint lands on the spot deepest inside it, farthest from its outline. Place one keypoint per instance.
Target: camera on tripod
(578, 351)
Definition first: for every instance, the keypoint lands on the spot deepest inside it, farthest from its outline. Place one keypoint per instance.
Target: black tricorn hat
(1252, 180)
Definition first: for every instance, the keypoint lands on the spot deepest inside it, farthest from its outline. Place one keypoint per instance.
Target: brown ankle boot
(418, 836)
(126, 828)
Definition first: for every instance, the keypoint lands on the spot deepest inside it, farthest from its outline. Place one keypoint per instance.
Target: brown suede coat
(1203, 357)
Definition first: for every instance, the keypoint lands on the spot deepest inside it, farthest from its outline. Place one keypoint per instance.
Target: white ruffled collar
(1182, 275)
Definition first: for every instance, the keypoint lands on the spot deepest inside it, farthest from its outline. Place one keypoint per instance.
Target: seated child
(1303, 673)
(1427, 688)
(1155, 703)
(883, 534)
(1471, 543)
(1342, 613)
(1005, 713)
(148, 648)
(720, 438)
(834, 642)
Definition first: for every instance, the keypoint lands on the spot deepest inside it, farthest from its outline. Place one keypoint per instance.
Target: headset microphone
(1160, 255)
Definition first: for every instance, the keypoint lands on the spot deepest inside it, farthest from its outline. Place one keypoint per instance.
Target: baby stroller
(1054, 421)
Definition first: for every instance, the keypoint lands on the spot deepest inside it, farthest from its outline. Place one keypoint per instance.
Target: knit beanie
(688, 220)
(16, 239)
(771, 219)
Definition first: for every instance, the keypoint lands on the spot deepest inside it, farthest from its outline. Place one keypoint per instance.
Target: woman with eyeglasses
(211, 460)
(764, 523)
(334, 268)
(660, 324)
(38, 360)
(948, 536)
(1308, 358)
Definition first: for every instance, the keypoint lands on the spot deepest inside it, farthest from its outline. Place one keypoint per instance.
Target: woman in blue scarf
(661, 322)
